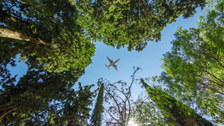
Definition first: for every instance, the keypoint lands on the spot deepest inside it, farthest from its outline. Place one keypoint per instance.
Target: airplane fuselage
(112, 63)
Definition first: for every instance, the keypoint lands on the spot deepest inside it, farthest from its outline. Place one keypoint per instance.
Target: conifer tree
(41, 97)
(96, 117)
(195, 65)
(174, 111)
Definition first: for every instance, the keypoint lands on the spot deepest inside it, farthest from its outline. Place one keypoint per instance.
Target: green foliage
(147, 113)
(75, 108)
(174, 111)
(7, 58)
(194, 67)
(55, 41)
(56, 50)
(58, 33)
(96, 117)
(41, 97)
(53, 34)
(132, 22)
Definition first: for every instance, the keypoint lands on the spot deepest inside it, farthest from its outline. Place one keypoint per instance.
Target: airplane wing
(109, 65)
(116, 61)
(115, 67)
(111, 61)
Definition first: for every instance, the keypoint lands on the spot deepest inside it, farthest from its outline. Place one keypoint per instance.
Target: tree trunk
(19, 35)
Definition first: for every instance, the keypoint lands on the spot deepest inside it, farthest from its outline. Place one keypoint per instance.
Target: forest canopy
(194, 68)
(132, 22)
(56, 40)
(59, 34)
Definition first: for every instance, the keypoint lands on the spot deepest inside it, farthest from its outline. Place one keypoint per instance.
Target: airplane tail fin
(107, 66)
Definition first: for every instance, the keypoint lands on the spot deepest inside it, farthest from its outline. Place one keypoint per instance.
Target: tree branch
(111, 115)
(119, 110)
(6, 113)
(2, 123)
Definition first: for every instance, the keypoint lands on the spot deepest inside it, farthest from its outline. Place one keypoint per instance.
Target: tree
(47, 31)
(29, 101)
(96, 117)
(47, 36)
(132, 22)
(174, 110)
(120, 104)
(195, 66)
(74, 109)
(58, 35)
(147, 113)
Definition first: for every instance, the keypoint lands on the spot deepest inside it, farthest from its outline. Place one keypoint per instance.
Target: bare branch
(123, 100)
(111, 115)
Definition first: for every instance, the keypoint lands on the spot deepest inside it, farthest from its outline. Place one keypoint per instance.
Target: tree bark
(19, 35)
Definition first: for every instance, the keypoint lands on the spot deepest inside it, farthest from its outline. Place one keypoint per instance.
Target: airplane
(112, 63)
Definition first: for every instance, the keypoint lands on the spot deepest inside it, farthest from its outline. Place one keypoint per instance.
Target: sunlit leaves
(173, 110)
(56, 23)
(195, 66)
(132, 23)
(147, 113)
